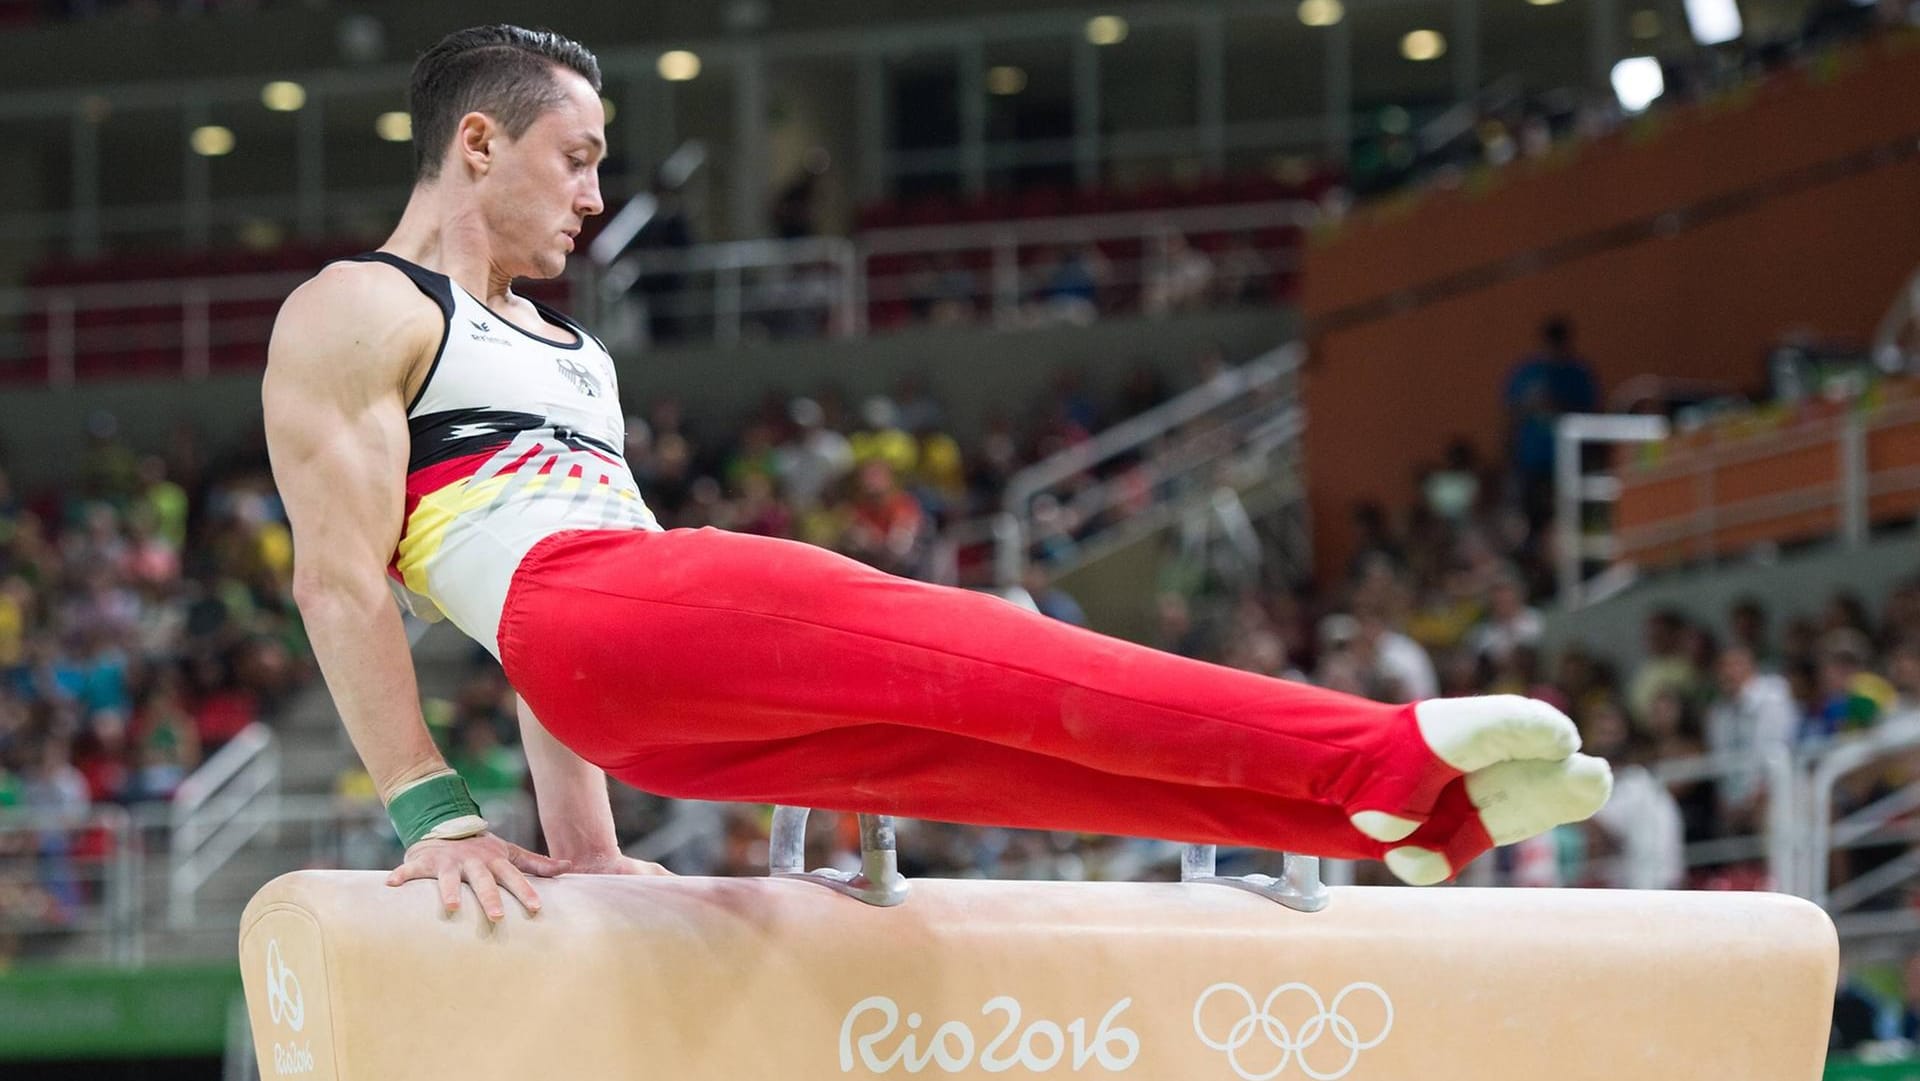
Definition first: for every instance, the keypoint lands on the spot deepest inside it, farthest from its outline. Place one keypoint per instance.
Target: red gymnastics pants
(703, 664)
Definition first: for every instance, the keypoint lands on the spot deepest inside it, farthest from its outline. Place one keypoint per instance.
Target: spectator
(1903, 672)
(1402, 670)
(661, 240)
(887, 528)
(57, 793)
(1667, 665)
(1179, 280)
(1245, 275)
(944, 292)
(162, 503)
(167, 747)
(1510, 624)
(1070, 287)
(1753, 713)
(1640, 826)
(1543, 387)
(1852, 698)
(883, 438)
(813, 459)
(1453, 490)
(1747, 628)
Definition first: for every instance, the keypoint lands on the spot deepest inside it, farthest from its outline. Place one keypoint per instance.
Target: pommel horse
(1208, 979)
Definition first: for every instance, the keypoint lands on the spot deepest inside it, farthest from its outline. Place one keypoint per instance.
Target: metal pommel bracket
(1298, 887)
(879, 881)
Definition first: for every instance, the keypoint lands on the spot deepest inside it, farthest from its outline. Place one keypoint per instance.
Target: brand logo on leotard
(1286, 1045)
(583, 380)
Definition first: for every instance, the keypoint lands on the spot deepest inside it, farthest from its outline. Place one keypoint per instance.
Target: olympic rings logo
(1293, 1044)
(284, 1003)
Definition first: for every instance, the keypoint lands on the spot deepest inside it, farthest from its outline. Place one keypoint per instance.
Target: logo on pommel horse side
(1292, 1044)
(284, 1003)
(1041, 1046)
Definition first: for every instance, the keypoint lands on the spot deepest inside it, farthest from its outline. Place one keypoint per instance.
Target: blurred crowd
(1397, 148)
(145, 620)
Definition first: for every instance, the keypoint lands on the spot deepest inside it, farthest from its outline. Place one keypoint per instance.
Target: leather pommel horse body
(778, 978)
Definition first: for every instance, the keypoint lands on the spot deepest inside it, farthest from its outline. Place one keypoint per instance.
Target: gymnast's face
(536, 190)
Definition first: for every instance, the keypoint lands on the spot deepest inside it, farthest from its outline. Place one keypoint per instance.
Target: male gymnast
(434, 431)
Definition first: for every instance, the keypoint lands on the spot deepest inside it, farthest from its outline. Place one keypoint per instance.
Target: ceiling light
(1422, 45)
(1714, 22)
(283, 96)
(394, 127)
(1322, 12)
(679, 66)
(1106, 30)
(211, 141)
(1637, 81)
(1005, 80)
(607, 109)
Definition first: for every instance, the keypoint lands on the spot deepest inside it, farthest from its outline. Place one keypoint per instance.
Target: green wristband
(418, 808)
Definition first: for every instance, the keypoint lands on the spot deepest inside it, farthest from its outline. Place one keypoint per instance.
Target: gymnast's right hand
(484, 862)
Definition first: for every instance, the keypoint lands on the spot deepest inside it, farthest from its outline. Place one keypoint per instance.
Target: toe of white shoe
(1473, 733)
(1518, 800)
(1384, 827)
(1417, 866)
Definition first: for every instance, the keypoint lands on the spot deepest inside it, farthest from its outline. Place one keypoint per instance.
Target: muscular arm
(337, 435)
(334, 398)
(575, 813)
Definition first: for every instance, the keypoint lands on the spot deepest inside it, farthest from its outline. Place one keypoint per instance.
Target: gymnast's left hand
(486, 863)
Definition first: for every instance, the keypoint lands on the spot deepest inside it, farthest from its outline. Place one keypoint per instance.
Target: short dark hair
(501, 70)
(1558, 331)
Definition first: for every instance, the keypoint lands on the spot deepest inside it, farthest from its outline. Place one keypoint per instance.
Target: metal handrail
(114, 913)
(1073, 229)
(210, 819)
(1837, 761)
(1243, 436)
(1138, 431)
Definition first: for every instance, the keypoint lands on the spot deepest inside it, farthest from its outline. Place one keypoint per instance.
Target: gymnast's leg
(629, 643)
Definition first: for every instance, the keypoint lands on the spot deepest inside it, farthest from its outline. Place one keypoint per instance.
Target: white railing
(47, 888)
(109, 895)
(781, 288)
(1226, 431)
(1869, 825)
(1575, 490)
(1869, 464)
(214, 813)
(807, 288)
(59, 324)
(986, 269)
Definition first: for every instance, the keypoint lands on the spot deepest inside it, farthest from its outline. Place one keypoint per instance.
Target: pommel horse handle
(880, 883)
(1298, 887)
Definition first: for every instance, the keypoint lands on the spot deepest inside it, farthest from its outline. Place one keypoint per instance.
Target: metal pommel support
(1298, 887)
(879, 881)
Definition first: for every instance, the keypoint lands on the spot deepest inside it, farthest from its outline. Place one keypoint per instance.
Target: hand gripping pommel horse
(722, 979)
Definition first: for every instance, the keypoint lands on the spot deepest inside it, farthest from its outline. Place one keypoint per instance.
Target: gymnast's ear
(473, 142)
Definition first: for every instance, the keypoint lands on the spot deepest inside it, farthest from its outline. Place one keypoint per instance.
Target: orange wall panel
(1385, 394)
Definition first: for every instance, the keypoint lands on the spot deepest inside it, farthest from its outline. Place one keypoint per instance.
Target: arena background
(1562, 347)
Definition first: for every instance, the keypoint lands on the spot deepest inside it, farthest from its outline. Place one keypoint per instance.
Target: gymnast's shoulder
(355, 314)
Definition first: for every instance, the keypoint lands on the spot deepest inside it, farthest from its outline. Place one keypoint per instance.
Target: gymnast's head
(508, 133)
